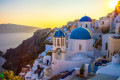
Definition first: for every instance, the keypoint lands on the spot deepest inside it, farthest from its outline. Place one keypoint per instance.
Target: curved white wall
(60, 65)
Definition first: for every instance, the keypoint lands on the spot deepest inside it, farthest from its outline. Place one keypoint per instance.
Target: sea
(11, 40)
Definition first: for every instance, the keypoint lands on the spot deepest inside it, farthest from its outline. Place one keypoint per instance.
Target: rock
(1, 52)
(105, 30)
(25, 52)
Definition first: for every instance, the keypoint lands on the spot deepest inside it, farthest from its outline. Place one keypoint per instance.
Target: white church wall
(83, 24)
(89, 25)
(60, 65)
(89, 45)
(86, 45)
(76, 43)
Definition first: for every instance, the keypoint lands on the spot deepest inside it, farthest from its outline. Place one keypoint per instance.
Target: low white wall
(60, 65)
(115, 60)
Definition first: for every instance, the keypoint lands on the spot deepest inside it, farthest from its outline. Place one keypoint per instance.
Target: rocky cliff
(1, 52)
(25, 52)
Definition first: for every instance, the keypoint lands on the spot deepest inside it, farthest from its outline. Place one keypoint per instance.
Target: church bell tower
(59, 45)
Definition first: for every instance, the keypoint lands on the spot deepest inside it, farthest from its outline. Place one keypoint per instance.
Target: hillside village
(85, 49)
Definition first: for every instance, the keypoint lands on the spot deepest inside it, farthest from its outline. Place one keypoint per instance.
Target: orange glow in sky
(113, 3)
(52, 13)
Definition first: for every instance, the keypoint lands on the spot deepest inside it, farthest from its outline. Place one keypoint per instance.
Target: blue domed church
(78, 52)
(86, 22)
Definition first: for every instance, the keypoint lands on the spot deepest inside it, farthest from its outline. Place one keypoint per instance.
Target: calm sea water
(12, 40)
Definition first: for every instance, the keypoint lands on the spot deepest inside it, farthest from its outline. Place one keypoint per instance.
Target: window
(86, 26)
(58, 42)
(119, 30)
(55, 41)
(108, 55)
(103, 23)
(106, 46)
(62, 42)
(80, 47)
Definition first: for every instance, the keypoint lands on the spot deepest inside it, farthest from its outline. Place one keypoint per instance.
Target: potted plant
(82, 71)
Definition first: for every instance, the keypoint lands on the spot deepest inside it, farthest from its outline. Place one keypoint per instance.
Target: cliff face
(25, 52)
(1, 52)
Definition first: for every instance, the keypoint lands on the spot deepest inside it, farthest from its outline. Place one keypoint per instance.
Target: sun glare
(113, 3)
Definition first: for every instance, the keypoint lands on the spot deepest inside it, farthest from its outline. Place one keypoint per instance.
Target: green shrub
(82, 69)
(49, 53)
(9, 75)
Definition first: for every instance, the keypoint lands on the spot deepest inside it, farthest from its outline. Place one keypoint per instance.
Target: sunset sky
(52, 13)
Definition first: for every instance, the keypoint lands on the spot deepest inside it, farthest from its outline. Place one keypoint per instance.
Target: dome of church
(80, 33)
(59, 33)
(85, 19)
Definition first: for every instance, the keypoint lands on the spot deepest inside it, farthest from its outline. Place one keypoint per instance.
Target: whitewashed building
(112, 69)
(79, 51)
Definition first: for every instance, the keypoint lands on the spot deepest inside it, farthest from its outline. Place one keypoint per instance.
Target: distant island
(14, 28)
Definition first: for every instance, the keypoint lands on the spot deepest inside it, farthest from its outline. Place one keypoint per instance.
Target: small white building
(105, 38)
(112, 69)
(110, 43)
(113, 46)
(47, 60)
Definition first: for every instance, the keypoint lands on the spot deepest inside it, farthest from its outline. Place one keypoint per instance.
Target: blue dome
(59, 33)
(85, 19)
(80, 33)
